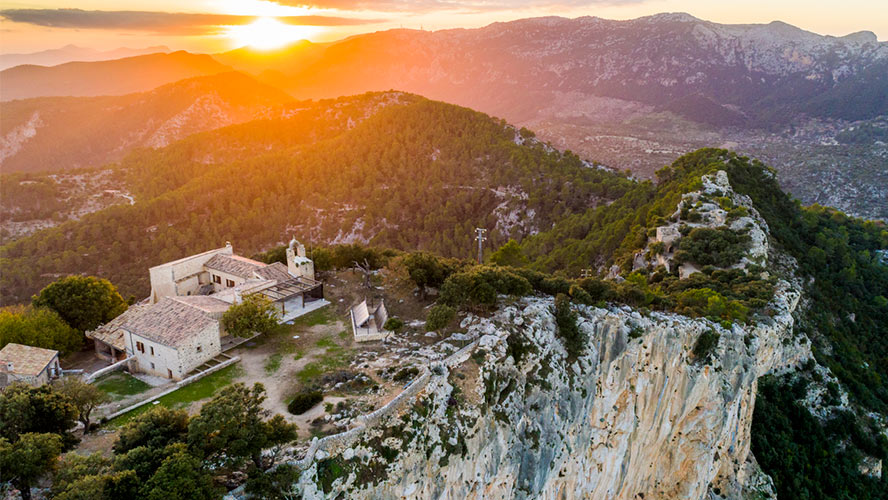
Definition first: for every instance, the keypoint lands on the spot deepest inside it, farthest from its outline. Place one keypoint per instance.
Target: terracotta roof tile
(234, 264)
(25, 359)
(169, 322)
(111, 333)
(276, 271)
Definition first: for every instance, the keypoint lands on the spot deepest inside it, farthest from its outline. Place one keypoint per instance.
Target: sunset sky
(217, 25)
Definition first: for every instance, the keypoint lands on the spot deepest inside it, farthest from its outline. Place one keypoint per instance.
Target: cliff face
(644, 412)
(637, 416)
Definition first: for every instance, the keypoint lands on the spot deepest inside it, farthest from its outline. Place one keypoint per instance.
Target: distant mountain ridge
(71, 53)
(116, 77)
(56, 133)
(757, 74)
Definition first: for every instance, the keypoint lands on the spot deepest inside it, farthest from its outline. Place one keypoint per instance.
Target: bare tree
(366, 271)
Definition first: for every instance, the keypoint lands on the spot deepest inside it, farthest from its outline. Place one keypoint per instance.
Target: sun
(268, 33)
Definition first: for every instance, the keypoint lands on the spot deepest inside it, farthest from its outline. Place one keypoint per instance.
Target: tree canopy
(38, 327)
(256, 314)
(84, 302)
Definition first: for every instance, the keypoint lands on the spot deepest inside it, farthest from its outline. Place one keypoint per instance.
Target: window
(199, 348)
(140, 347)
(152, 350)
(229, 283)
(217, 279)
(152, 366)
(169, 373)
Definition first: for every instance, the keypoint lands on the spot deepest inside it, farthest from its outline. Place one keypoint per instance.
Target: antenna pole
(479, 235)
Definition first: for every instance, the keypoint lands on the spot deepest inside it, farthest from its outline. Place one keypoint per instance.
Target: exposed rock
(629, 417)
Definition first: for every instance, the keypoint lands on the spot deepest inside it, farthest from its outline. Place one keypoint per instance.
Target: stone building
(178, 328)
(229, 277)
(24, 363)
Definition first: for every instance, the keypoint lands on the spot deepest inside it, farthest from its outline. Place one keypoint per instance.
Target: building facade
(178, 328)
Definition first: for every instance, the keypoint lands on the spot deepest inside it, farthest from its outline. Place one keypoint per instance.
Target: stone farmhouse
(177, 329)
(24, 363)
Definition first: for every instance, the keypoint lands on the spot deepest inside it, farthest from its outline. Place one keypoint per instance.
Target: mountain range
(781, 289)
(630, 94)
(758, 75)
(70, 53)
(115, 77)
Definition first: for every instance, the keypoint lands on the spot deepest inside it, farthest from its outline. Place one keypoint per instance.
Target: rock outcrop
(657, 405)
(636, 416)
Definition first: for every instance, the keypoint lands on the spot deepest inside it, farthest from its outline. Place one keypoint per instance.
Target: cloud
(158, 22)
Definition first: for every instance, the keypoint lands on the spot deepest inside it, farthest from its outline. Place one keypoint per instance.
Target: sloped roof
(169, 322)
(275, 271)
(205, 303)
(26, 360)
(111, 332)
(234, 264)
(361, 314)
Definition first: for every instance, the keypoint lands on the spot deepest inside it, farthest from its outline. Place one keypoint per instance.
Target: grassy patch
(322, 316)
(273, 363)
(327, 342)
(334, 359)
(120, 385)
(196, 391)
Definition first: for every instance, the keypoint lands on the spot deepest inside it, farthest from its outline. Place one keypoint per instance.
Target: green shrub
(439, 316)
(304, 401)
(657, 248)
(705, 346)
(599, 289)
(566, 321)
(393, 324)
(406, 373)
(478, 287)
(517, 346)
(256, 314)
(581, 296)
(705, 246)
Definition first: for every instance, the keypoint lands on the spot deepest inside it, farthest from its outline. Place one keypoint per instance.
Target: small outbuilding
(368, 324)
(29, 364)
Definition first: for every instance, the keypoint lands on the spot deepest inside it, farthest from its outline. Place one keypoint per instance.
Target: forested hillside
(390, 169)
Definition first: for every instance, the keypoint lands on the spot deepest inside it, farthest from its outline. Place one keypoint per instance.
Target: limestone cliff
(637, 416)
(642, 412)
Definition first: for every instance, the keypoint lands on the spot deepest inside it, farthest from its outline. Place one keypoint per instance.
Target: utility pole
(586, 273)
(479, 235)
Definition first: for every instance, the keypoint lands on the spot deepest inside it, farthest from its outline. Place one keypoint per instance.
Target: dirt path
(293, 355)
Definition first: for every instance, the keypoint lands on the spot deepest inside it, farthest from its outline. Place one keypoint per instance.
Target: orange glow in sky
(268, 24)
(268, 33)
